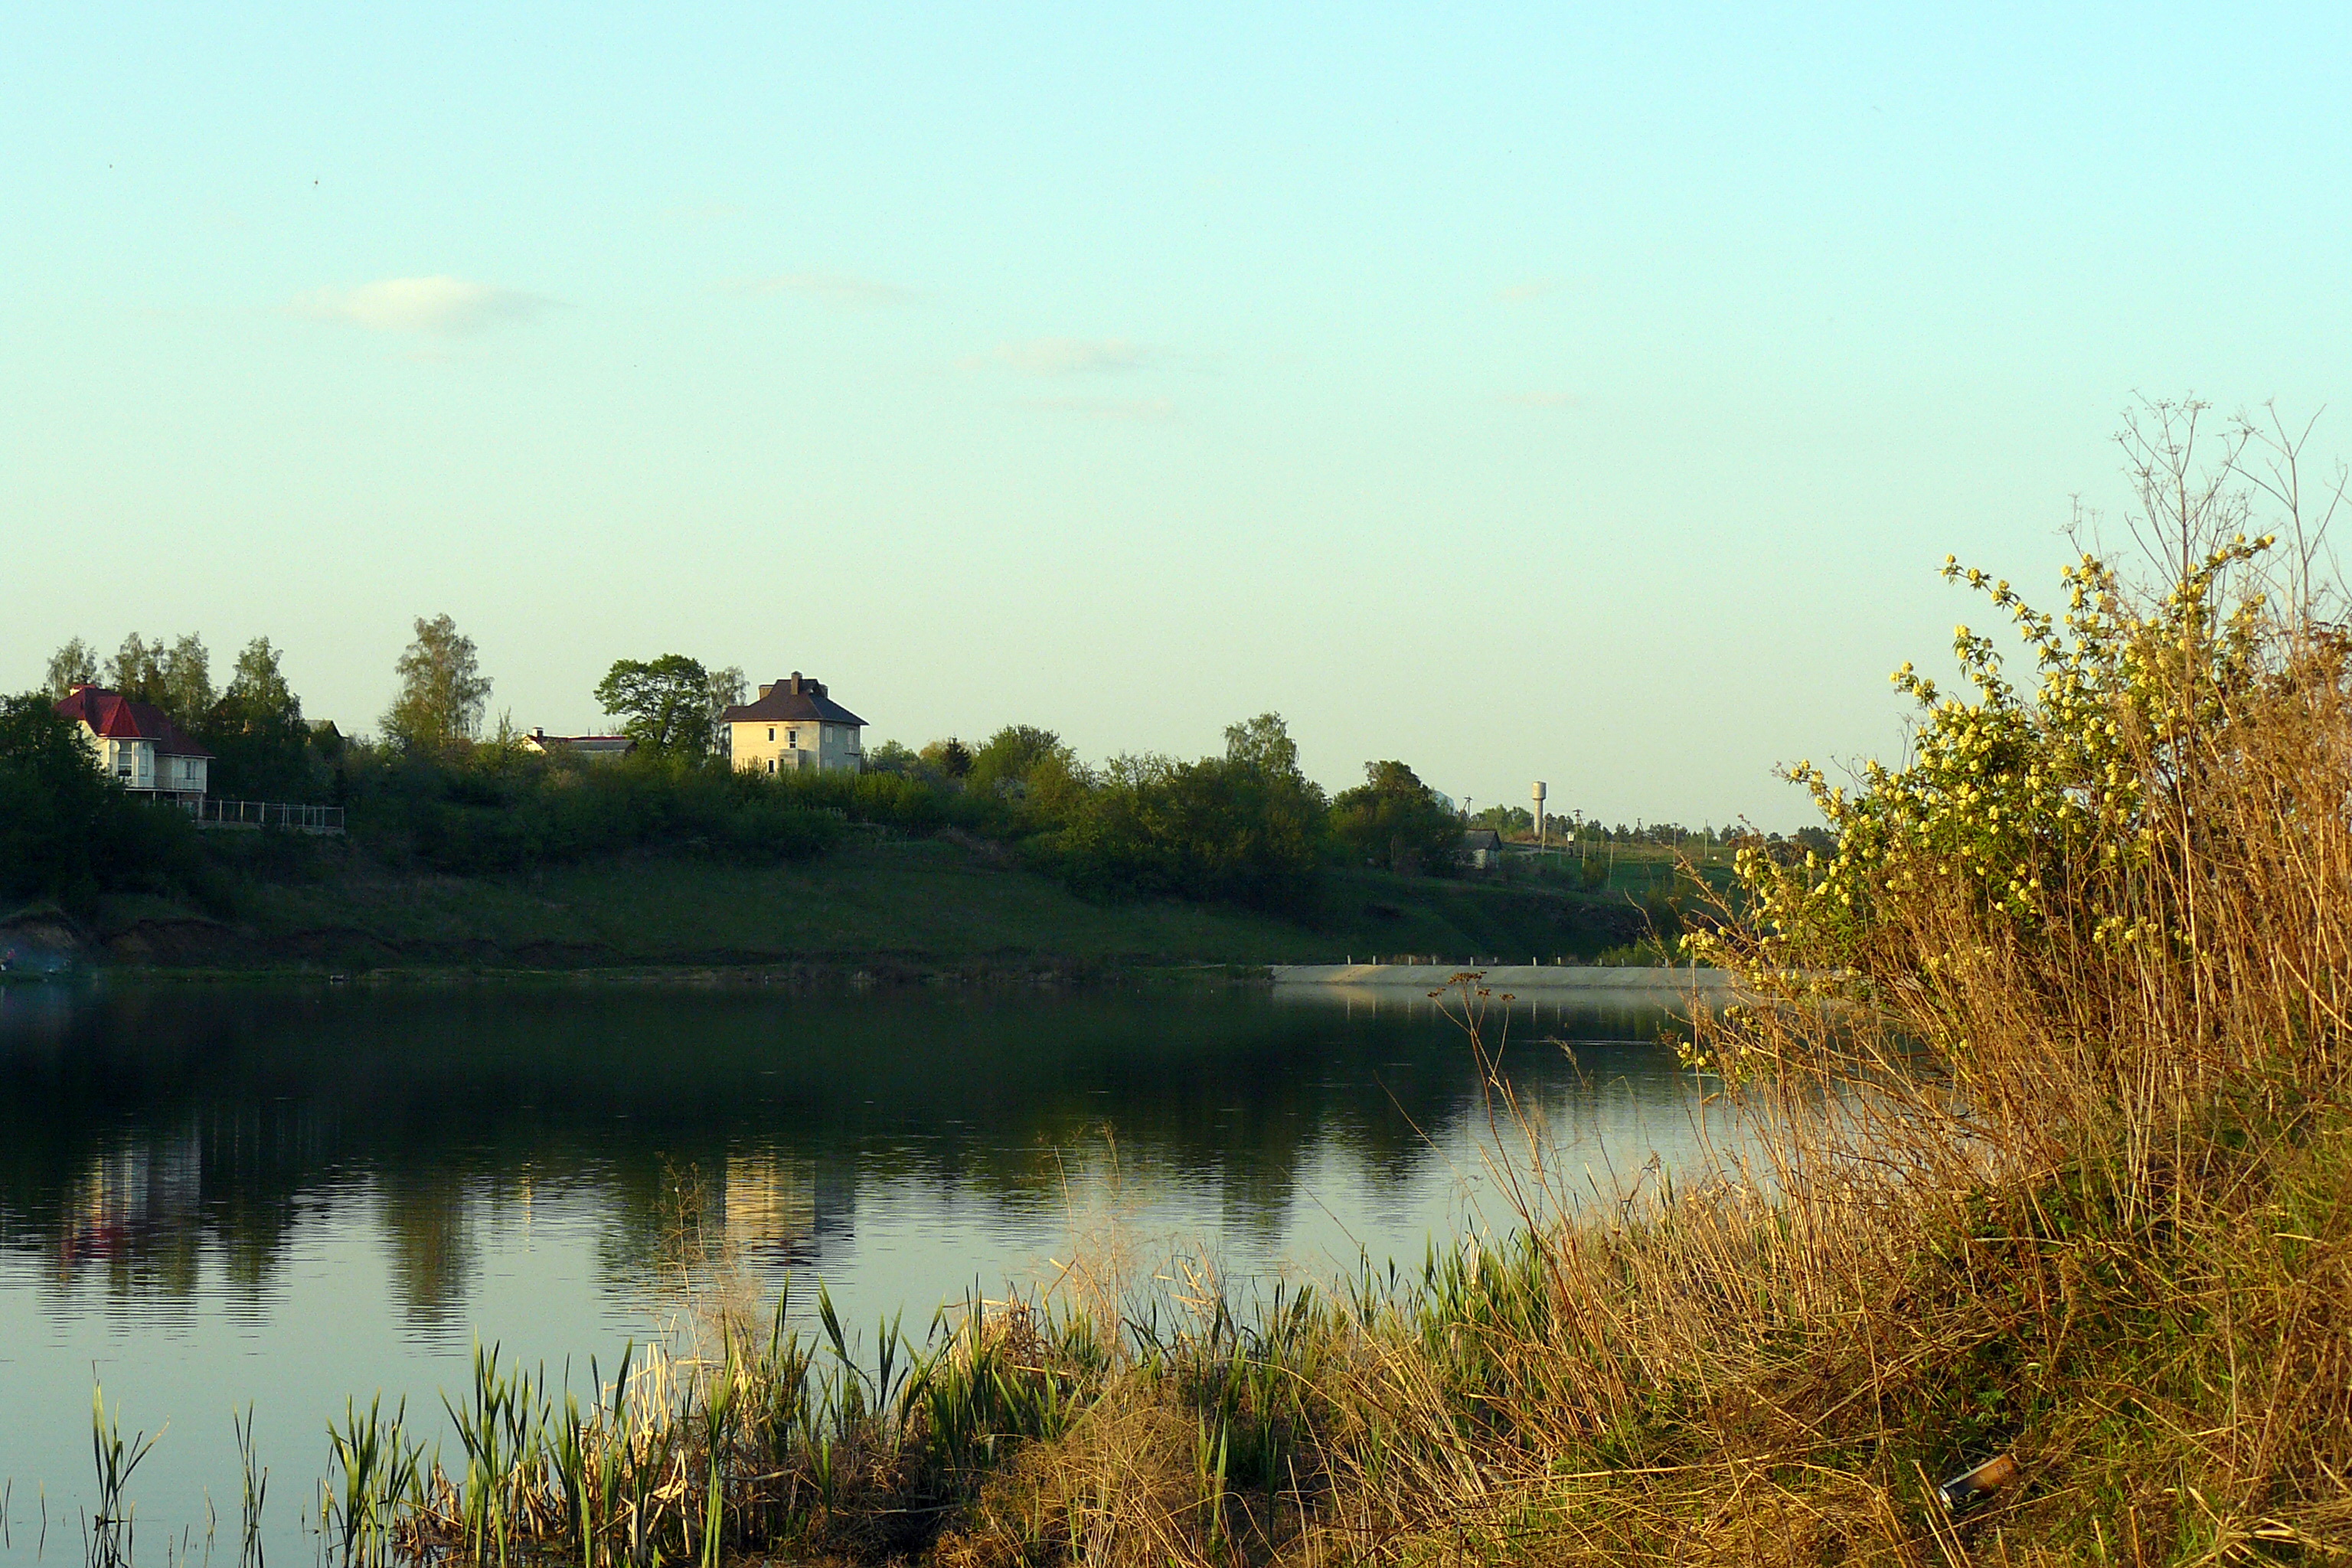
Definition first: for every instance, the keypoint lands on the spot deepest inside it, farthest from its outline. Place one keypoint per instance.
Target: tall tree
(257, 730)
(187, 680)
(1006, 759)
(175, 676)
(1394, 818)
(443, 690)
(76, 664)
(1265, 744)
(666, 704)
(727, 687)
(257, 696)
(951, 757)
(133, 671)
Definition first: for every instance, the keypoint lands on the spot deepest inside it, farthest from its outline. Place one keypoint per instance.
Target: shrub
(66, 831)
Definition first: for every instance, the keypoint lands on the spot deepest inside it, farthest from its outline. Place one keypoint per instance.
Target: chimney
(796, 683)
(538, 731)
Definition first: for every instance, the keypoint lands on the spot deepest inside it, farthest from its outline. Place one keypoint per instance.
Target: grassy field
(881, 900)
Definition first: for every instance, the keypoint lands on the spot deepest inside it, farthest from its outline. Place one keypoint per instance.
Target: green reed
(111, 1529)
(381, 1474)
(254, 1489)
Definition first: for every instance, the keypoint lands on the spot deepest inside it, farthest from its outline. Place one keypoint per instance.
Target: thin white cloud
(1531, 289)
(1071, 357)
(1540, 399)
(833, 288)
(439, 306)
(1131, 409)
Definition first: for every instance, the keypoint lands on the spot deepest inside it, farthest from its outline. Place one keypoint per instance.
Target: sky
(1578, 393)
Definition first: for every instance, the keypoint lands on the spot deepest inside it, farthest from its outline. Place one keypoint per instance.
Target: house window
(793, 738)
(772, 735)
(772, 761)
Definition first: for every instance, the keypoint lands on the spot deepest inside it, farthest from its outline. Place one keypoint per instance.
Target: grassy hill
(880, 901)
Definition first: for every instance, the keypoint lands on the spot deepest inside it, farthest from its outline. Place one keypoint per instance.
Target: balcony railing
(259, 814)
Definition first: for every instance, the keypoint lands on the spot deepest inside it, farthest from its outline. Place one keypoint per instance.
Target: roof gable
(119, 717)
(797, 700)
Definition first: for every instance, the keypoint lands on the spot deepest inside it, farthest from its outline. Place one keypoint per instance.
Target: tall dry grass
(2043, 1082)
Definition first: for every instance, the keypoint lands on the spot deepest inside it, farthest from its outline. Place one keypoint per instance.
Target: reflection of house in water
(780, 1211)
(128, 1197)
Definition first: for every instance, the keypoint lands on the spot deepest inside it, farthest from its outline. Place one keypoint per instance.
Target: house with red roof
(136, 746)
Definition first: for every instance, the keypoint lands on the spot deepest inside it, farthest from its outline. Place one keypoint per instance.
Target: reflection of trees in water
(143, 1133)
(425, 1217)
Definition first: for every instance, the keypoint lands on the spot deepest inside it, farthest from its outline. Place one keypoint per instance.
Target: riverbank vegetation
(2047, 1177)
(451, 838)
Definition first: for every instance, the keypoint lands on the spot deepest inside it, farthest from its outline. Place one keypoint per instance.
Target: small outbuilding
(587, 747)
(1481, 849)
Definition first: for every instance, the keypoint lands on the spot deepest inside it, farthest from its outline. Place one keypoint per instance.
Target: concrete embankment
(1520, 979)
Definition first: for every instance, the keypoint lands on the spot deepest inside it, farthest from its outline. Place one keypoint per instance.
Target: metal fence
(258, 813)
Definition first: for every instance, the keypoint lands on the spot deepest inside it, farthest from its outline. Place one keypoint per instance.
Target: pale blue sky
(1585, 393)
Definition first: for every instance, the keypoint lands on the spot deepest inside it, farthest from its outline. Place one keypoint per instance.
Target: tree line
(1244, 825)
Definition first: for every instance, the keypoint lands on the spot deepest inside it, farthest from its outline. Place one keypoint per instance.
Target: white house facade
(136, 745)
(794, 726)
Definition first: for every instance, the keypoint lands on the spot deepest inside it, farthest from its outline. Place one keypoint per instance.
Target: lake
(288, 1195)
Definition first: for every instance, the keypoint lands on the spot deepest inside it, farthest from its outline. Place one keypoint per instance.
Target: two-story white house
(794, 725)
(136, 746)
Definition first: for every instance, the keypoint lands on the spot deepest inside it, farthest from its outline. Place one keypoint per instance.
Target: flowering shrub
(2036, 806)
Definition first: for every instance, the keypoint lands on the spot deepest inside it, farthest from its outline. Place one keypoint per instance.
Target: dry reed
(2043, 1074)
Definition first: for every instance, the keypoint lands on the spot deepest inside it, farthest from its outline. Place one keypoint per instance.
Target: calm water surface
(289, 1196)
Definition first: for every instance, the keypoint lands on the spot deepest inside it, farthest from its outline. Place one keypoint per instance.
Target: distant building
(793, 725)
(587, 747)
(1481, 849)
(136, 746)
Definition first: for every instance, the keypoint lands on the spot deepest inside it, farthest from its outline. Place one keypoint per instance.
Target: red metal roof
(118, 718)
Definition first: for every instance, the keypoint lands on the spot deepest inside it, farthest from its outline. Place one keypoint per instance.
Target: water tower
(1540, 821)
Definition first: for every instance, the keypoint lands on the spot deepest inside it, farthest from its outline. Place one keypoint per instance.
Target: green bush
(496, 809)
(66, 832)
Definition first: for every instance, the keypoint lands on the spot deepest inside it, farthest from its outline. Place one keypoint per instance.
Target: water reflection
(146, 1128)
(291, 1194)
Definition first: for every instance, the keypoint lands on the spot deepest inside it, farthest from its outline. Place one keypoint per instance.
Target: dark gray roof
(798, 700)
(589, 745)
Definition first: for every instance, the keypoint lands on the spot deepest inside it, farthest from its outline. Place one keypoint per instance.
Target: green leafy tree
(1395, 820)
(257, 731)
(1263, 744)
(892, 757)
(726, 689)
(443, 692)
(951, 758)
(76, 664)
(1245, 827)
(175, 676)
(1004, 763)
(133, 671)
(186, 672)
(65, 831)
(1510, 821)
(667, 705)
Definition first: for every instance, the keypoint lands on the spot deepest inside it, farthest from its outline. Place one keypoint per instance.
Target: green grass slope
(912, 902)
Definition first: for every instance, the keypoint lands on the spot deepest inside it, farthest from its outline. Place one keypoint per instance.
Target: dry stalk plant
(2045, 1160)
